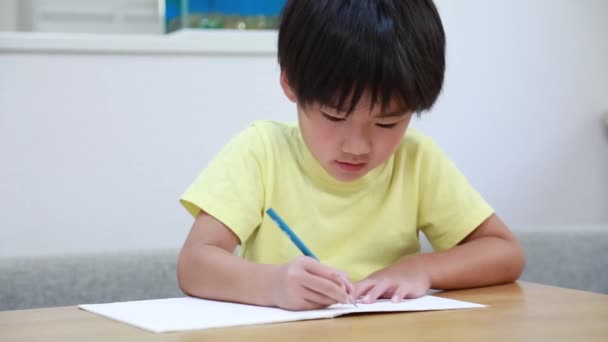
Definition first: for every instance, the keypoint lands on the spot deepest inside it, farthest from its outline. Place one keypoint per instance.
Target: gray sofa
(573, 257)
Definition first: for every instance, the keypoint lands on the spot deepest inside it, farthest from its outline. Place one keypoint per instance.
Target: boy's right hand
(306, 284)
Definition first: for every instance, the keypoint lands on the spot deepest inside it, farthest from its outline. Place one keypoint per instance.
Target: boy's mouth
(347, 166)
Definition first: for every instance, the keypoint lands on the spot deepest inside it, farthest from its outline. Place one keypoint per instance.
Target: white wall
(96, 149)
(527, 86)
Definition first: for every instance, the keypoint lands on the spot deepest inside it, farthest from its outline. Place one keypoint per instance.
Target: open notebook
(187, 313)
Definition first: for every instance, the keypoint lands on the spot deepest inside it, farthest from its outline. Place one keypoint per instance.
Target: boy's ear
(287, 88)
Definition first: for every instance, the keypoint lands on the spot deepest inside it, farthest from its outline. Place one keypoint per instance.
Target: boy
(351, 182)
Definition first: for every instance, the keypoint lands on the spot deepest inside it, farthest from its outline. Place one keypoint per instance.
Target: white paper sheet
(187, 313)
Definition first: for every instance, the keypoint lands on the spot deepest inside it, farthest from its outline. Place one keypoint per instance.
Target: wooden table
(517, 312)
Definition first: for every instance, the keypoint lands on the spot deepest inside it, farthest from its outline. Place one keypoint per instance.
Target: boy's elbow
(183, 280)
(517, 262)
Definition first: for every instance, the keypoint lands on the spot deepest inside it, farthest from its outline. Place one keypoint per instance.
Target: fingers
(327, 281)
(361, 288)
(415, 292)
(400, 293)
(318, 299)
(312, 284)
(376, 291)
(311, 305)
(326, 287)
(323, 271)
(369, 290)
(348, 286)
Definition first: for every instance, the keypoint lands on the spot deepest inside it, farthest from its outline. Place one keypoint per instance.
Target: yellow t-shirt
(357, 227)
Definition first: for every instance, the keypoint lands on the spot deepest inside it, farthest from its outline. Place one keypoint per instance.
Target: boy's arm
(207, 268)
(490, 255)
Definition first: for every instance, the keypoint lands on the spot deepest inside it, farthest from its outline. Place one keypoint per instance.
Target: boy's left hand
(394, 282)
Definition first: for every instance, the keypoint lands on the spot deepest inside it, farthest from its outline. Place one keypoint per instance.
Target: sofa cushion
(567, 256)
(36, 282)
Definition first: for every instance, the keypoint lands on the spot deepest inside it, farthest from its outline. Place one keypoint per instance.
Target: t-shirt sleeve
(449, 207)
(231, 187)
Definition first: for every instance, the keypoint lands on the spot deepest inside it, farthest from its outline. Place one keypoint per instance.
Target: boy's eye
(332, 118)
(391, 125)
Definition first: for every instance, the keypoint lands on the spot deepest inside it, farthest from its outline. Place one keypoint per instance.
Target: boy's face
(348, 147)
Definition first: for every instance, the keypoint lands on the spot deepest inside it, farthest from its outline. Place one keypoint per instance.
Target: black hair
(332, 51)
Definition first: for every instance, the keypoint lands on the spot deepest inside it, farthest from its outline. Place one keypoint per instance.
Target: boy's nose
(356, 145)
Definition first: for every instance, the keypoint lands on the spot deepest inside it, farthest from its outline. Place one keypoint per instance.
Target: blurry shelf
(190, 41)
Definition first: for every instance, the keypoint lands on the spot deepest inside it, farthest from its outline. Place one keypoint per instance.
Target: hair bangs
(335, 52)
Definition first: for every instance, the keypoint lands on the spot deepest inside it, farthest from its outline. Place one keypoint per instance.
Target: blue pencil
(296, 240)
(292, 236)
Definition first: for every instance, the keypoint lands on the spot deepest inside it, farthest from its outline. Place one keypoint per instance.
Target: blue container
(205, 14)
